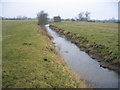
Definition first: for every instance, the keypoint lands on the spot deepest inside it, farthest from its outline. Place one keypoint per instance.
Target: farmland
(30, 61)
(100, 39)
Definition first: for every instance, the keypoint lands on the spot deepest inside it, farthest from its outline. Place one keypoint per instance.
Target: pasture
(30, 61)
(98, 38)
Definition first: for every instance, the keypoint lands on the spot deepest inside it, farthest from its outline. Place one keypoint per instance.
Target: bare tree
(80, 16)
(42, 18)
(87, 16)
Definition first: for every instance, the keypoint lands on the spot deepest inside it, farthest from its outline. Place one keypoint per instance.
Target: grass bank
(30, 61)
(100, 40)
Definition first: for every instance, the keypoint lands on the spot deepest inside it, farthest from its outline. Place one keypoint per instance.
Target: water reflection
(81, 63)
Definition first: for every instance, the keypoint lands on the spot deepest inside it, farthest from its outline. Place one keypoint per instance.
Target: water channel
(81, 63)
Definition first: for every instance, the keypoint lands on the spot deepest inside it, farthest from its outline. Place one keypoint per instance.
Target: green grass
(29, 59)
(105, 34)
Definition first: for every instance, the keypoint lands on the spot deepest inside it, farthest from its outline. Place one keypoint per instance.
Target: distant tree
(57, 19)
(24, 18)
(87, 16)
(84, 16)
(72, 19)
(19, 17)
(76, 19)
(80, 16)
(112, 20)
(42, 18)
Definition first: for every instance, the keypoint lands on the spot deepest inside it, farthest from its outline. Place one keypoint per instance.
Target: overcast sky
(99, 9)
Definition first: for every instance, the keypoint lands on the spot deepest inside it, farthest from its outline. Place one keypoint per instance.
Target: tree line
(82, 16)
(17, 18)
(43, 17)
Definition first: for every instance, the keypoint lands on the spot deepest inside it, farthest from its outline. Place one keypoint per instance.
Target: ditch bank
(75, 78)
(95, 51)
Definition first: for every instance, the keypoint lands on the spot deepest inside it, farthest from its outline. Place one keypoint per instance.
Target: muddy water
(81, 63)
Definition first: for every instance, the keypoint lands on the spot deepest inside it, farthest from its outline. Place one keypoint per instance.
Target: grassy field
(30, 61)
(99, 38)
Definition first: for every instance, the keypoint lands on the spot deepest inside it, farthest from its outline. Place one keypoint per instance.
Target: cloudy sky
(99, 9)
